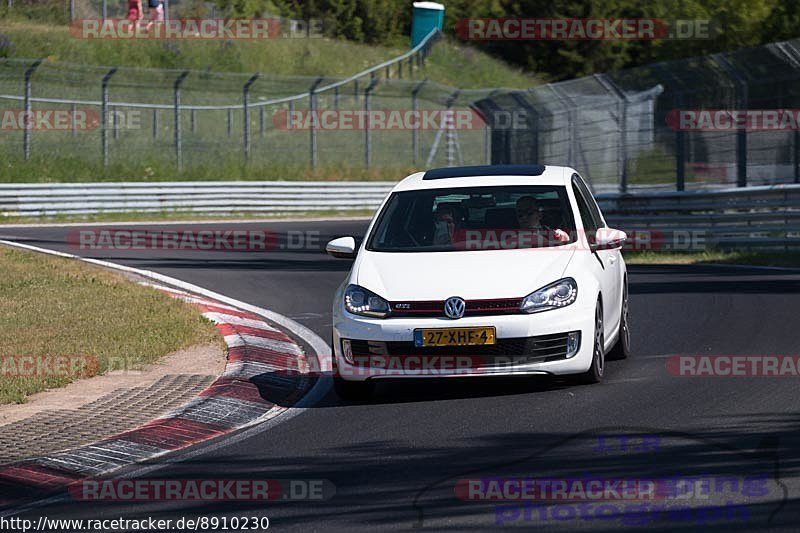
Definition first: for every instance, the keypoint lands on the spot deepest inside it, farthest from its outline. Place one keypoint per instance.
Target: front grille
(511, 351)
(433, 308)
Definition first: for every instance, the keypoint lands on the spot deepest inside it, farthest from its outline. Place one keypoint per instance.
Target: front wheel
(595, 372)
(622, 349)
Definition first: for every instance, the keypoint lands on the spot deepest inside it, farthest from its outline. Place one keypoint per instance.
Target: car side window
(589, 199)
(590, 225)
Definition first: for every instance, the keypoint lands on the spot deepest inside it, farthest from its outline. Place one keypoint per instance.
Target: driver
(529, 218)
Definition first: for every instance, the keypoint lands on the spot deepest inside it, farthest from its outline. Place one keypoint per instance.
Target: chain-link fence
(725, 119)
(214, 119)
(633, 129)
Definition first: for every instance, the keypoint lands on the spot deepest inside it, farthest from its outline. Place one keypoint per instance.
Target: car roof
(488, 175)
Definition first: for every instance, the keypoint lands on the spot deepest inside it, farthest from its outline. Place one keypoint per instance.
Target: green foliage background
(739, 23)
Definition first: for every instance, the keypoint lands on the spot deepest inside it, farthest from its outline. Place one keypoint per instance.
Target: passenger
(445, 225)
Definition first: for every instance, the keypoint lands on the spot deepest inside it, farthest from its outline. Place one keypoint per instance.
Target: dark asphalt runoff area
(402, 460)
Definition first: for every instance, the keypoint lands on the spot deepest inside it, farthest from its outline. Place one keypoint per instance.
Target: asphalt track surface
(396, 460)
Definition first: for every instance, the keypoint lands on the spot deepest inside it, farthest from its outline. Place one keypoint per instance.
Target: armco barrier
(198, 197)
(751, 217)
(754, 217)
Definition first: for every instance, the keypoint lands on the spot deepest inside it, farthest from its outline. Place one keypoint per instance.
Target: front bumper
(472, 361)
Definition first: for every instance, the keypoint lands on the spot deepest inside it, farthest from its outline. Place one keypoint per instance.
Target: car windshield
(474, 218)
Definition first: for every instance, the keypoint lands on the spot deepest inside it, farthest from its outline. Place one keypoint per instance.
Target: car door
(607, 261)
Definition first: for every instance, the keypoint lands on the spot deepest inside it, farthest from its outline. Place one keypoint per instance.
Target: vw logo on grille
(454, 307)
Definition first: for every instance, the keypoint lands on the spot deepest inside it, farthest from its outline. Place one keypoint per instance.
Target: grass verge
(52, 167)
(84, 321)
(450, 63)
(755, 258)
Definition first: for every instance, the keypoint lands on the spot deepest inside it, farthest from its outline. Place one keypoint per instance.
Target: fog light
(347, 351)
(573, 343)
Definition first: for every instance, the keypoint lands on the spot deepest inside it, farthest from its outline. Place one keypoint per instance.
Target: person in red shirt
(135, 11)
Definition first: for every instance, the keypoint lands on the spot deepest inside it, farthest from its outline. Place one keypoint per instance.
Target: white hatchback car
(478, 271)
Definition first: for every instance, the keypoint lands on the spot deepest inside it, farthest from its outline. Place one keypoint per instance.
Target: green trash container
(426, 17)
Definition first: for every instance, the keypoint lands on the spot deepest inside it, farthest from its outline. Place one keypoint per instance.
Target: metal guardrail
(196, 197)
(756, 217)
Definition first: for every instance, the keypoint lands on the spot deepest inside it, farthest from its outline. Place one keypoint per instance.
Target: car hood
(484, 274)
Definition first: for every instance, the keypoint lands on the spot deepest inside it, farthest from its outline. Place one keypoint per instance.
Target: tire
(622, 348)
(596, 369)
(353, 390)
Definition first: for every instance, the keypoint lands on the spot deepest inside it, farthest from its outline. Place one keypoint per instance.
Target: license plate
(454, 337)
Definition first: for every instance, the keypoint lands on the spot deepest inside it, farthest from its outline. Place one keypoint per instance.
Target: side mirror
(342, 248)
(609, 239)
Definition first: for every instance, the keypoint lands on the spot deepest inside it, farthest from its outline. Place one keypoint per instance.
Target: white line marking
(222, 318)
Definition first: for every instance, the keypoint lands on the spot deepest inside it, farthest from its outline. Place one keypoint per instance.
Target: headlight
(360, 301)
(554, 296)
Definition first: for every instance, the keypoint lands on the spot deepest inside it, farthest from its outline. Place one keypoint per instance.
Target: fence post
(533, 118)
(450, 138)
(355, 90)
(312, 104)
(115, 122)
(262, 120)
(177, 107)
(26, 129)
(230, 122)
(193, 120)
(71, 9)
(741, 104)
(105, 10)
(166, 9)
(680, 150)
(415, 131)
(487, 133)
(572, 124)
(622, 122)
(155, 123)
(367, 131)
(104, 114)
(246, 110)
